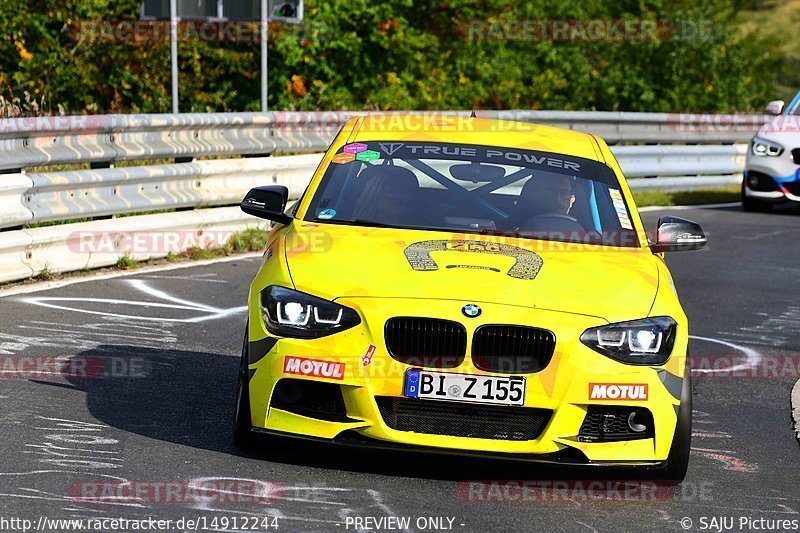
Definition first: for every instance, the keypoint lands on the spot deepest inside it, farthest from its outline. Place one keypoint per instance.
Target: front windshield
(794, 106)
(474, 189)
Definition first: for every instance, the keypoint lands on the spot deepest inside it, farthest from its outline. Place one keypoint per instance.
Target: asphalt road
(165, 412)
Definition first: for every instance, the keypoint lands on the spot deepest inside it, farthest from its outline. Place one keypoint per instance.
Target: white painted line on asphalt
(47, 285)
(753, 357)
(210, 313)
(186, 278)
(142, 286)
(685, 207)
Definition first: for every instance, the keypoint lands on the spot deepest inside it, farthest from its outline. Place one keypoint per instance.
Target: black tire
(678, 459)
(755, 206)
(243, 436)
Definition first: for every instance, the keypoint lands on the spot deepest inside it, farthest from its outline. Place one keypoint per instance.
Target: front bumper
(562, 387)
(566, 458)
(772, 179)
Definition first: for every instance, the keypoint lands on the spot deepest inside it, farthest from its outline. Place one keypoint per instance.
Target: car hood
(334, 261)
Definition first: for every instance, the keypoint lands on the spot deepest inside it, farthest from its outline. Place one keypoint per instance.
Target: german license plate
(503, 390)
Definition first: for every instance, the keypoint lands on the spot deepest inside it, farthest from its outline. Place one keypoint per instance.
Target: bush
(394, 54)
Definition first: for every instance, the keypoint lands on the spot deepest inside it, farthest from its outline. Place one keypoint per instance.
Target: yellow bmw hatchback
(469, 286)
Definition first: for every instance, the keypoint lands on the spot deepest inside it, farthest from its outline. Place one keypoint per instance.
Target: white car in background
(772, 171)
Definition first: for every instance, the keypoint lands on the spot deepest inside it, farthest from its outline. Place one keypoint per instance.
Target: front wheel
(678, 460)
(242, 424)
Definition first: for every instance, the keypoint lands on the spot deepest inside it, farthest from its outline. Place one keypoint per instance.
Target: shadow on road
(187, 398)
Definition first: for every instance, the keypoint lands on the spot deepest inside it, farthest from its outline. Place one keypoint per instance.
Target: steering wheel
(490, 210)
(556, 216)
(560, 222)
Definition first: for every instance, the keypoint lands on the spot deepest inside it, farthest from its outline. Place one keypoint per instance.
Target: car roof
(449, 128)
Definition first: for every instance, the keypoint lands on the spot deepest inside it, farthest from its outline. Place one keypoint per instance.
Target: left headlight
(290, 313)
(639, 342)
(761, 146)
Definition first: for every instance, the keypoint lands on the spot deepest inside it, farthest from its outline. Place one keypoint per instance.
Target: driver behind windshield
(547, 195)
(544, 204)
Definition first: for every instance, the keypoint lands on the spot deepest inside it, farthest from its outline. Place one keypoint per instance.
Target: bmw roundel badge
(471, 310)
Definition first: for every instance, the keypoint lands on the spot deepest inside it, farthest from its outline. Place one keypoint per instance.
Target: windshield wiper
(357, 222)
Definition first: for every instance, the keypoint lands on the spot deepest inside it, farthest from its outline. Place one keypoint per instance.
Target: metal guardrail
(656, 150)
(108, 139)
(68, 195)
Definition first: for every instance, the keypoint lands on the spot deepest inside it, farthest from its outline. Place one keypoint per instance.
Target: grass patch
(196, 253)
(249, 240)
(668, 198)
(44, 275)
(126, 262)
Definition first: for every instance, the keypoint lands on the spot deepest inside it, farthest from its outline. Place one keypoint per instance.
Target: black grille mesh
(463, 420)
(512, 349)
(758, 181)
(309, 398)
(611, 423)
(427, 342)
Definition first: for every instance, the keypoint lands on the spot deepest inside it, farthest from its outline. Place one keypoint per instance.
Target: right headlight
(291, 313)
(647, 341)
(764, 147)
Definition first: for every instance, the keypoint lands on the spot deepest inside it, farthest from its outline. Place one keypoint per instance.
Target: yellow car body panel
(579, 286)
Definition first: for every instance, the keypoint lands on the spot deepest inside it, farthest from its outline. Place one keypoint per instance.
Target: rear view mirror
(775, 107)
(477, 172)
(677, 235)
(267, 202)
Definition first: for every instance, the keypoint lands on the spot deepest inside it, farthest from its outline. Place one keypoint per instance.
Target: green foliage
(249, 240)
(197, 253)
(667, 198)
(126, 262)
(394, 54)
(44, 275)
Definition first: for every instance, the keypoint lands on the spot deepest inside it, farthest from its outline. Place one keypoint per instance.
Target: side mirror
(267, 202)
(775, 107)
(678, 235)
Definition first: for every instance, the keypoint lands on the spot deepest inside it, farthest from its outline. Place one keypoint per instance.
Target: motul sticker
(615, 391)
(366, 359)
(313, 367)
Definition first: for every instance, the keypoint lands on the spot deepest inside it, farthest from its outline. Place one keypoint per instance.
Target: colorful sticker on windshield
(326, 214)
(343, 158)
(354, 148)
(619, 207)
(368, 155)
